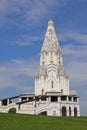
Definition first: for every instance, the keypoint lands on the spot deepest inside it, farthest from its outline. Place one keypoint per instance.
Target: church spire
(50, 43)
(50, 22)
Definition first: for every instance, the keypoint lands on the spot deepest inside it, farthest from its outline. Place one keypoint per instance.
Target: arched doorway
(12, 110)
(43, 113)
(69, 111)
(75, 111)
(64, 111)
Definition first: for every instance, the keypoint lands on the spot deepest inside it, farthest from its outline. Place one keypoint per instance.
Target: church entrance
(43, 113)
(75, 111)
(12, 110)
(69, 111)
(64, 111)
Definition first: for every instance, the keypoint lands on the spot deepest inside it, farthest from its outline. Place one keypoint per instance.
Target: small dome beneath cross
(50, 22)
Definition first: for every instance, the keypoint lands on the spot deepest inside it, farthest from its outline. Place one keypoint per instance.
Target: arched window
(42, 91)
(69, 111)
(52, 84)
(51, 57)
(64, 111)
(75, 111)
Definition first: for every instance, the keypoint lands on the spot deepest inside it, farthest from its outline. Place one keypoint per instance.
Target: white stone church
(52, 94)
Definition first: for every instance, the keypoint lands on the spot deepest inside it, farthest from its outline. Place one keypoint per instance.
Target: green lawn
(38, 122)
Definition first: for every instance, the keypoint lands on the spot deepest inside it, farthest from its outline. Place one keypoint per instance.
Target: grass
(38, 122)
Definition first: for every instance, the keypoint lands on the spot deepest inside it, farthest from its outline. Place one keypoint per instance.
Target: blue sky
(23, 25)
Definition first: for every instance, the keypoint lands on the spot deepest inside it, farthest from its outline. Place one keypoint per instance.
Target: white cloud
(40, 9)
(17, 74)
(75, 60)
(75, 50)
(76, 63)
(73, 35)
(28, 40)
(30, 10)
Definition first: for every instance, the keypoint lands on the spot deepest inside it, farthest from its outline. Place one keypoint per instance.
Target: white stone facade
(52, 95)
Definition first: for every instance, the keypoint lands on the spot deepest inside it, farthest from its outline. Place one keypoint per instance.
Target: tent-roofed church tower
(51, 75)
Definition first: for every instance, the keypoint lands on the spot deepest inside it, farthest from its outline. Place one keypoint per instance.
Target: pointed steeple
(50, 22)
(50, 43)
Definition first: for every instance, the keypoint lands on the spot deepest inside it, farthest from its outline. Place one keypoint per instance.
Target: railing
(41, 107)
